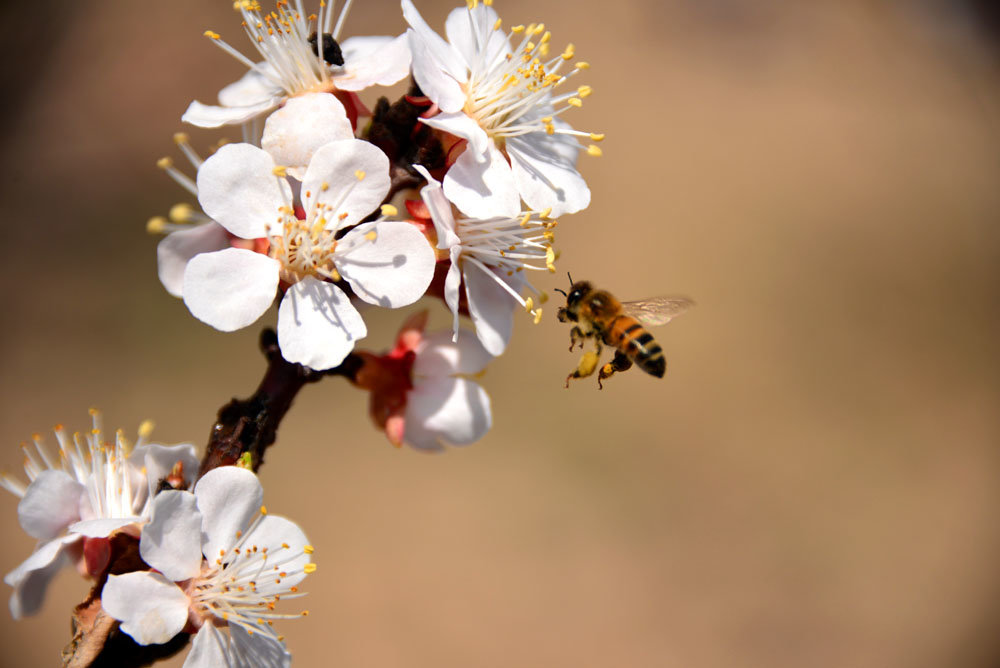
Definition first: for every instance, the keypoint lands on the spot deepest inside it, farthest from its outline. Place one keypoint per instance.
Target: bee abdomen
(630, 337)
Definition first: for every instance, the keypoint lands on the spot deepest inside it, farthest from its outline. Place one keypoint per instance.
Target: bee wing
(657, 310)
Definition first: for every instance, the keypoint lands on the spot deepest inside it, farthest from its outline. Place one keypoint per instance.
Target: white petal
(317, 325)
(209, 649)
(150, 608)
(371, 61)
(455, 410)
(238, 189)
(102, 527)
(337, 166)
(231, 288)
(171, 541)
(160, 460)
(229, 498)
(451, 283)
(273, 533)
(544, 177)
(293, 133)
(439, 355)
(393, 270)
(251, 89)
(465, 29)
(444, 54)
(439, 208)
(461, 125)
(31, 578)
(443, 88)
(491, 308)
(211, 116)
(174, 251)
(483, 189)
(255, 651)
(50, 504)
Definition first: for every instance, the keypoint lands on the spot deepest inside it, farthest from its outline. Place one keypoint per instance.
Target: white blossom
(501, 99)
(221, 564)
(387, 263)
(293, 66)
(91, 490)
(490, 256)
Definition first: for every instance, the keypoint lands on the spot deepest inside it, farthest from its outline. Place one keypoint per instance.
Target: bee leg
(621, 362)
(576, 336)
(586, 367)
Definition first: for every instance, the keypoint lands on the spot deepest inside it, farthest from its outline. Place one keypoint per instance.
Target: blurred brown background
(814, 483)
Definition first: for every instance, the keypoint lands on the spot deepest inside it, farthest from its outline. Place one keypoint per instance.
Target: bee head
(577, 292)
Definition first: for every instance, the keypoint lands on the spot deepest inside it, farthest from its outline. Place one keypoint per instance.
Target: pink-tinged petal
(231, 288)
(177, 248)
(212, 116)
(171, 541)
(102, 527)
(251, 89)
(373, 61)
(483, 189)
(392, 270)
(491, 308)
(455, 410)
(255, 650)
(317, 325)
(238, 189)
(465, 27)
(229, 498)
(293, 133)
(50, 504)
(332, 180)
(462, 125)
(440, 209)
(209, 649)
(150, 608)
(31, 579)
(440, 355)
(546, 178)
(434, 79)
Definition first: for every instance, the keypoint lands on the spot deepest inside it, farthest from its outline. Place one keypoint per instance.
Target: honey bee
(619, 324)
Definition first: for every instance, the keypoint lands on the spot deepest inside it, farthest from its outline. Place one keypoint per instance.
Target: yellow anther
(569, 52)
(309, 568)
(543, 48)
(550, 129)
(584, 91)
(180, 138)
(146, 428)
(530, 30)
(546, 119)
(212, 35)
(156, 225)
(164, 163)
(305, 613)
(542, 298)
(496, 26)
(595, 151)
(575, 102)
(308, 549)
(539, 28)
(471, 4)
(324, 186)
(389, 210)
(545, 38)
(582, 65)
(529, 304)
(594, 136)
(181, 213)
(488, 3)
(371, 236)
(538, 316)
(517, 29)
(546, 213)
(550, 258)
(529, 47)
(280, 170)
(263, 510)
(360, 175)
(525, 219)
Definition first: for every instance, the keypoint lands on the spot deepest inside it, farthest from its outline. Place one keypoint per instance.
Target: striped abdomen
(628, 336)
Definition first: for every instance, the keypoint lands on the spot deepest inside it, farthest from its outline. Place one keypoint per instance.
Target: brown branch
(250, 425)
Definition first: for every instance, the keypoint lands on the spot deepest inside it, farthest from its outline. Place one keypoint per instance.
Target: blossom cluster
(327, 208)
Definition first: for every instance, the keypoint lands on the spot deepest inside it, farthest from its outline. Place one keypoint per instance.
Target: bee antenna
(570, 276)
(562, 291)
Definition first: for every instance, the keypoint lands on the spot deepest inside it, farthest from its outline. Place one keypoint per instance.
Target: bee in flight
(600, 316)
